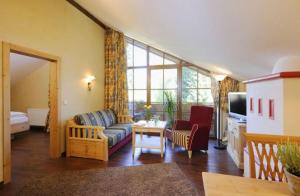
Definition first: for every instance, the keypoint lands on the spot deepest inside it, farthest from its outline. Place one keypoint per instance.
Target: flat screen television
(237, 102)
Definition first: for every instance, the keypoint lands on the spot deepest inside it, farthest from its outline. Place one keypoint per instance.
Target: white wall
(32, 90)
(272, 89)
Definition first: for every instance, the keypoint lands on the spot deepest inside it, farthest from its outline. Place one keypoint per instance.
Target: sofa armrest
(125, 119)
(74, 130)
(182, 125)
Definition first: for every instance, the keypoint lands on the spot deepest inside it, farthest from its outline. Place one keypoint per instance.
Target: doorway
(54, 63)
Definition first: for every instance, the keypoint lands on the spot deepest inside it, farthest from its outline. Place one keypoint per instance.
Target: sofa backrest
(104, 118)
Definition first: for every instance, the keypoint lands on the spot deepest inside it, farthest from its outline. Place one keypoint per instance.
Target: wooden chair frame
(258, 143)
(89, 141)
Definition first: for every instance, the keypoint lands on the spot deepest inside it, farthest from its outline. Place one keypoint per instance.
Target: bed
(19, 122)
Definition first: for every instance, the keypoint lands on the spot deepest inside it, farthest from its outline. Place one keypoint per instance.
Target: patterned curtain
(116, 93)
(227, 85)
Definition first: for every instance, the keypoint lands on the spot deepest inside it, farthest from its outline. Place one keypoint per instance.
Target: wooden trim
(84, 141)
(87, 13)
(257, 145)
(32, 53)
(6, 112)
(295, 74)
(181, 60)
(54, 149)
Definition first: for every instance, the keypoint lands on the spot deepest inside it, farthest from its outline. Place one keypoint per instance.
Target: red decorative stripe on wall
(271, 109)
(260, 112)
(251, 104)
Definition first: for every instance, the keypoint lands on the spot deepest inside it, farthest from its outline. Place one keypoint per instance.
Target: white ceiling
(21, 66)
(244, 38)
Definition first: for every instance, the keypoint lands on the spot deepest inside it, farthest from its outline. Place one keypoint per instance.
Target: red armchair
(193, 134)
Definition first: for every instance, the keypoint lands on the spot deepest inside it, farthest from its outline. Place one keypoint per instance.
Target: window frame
(179, 66)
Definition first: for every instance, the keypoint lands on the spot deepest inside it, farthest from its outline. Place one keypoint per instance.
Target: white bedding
(18, 117)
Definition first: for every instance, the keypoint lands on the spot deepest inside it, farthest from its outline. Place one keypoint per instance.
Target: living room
(190, 98)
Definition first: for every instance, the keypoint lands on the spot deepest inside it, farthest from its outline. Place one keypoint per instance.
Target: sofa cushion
(112, 116)
(90, 118)
(106, 118)
(126, 127)
(114, 136)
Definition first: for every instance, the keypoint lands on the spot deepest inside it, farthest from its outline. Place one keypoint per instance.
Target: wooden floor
(30, 160)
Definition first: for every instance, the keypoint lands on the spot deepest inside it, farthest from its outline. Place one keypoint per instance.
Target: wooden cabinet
(236, 141)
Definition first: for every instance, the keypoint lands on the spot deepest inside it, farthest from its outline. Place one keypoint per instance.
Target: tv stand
(236, 140)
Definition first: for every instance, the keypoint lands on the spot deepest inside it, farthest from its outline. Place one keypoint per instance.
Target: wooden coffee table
(148, 127)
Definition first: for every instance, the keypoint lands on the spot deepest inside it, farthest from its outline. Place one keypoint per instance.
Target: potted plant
(289, 155)
(148, 113)
(170, 107)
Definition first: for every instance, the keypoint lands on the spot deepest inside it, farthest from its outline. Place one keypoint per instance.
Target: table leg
(133, 142)
(141, 135)
(161, 144)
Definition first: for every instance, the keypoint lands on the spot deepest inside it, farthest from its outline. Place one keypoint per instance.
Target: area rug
(151, 179)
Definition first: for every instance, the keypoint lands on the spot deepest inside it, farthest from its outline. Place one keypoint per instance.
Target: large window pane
(140, 56)
(157, 96)
(139, 110)
(174, 94)
(157, 79)
(189, 78)
(170, 78)
(129, 50)
(155, 57)
(130, 95)
(157, 107)
(140, 96)
(130, 108)
(204, 81)
(189, 95)
(130, 78)
(186, 107)
(140, 78)
(205, 96)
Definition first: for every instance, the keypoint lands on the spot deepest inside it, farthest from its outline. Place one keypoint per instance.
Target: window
(162, 80)
(196, 89)
(152, 72)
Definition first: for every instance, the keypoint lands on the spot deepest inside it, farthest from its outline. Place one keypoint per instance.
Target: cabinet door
(236, 141)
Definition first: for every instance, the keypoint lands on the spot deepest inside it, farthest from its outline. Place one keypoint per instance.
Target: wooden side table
(148, 127)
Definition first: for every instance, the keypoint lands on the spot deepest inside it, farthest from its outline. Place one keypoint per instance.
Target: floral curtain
(228, 85)
(116, 93)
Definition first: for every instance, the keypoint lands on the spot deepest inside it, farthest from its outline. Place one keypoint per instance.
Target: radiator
(37, 116)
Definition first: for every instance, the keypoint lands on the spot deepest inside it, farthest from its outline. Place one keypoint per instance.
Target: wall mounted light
(89, 80)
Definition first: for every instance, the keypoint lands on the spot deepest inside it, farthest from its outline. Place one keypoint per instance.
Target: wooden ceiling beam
(87, 13)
